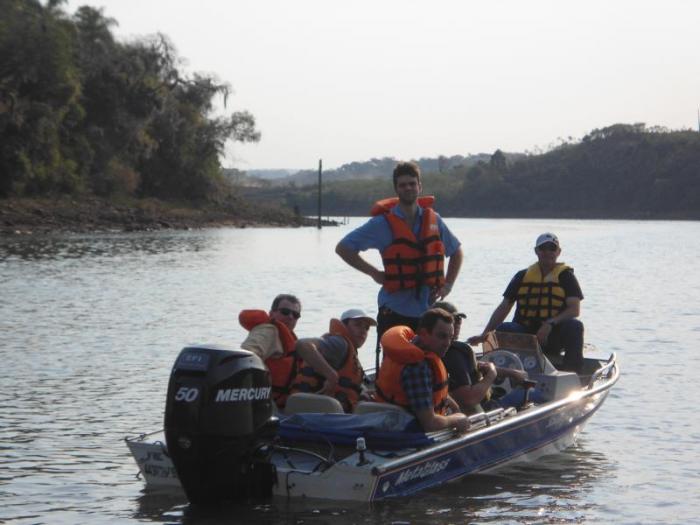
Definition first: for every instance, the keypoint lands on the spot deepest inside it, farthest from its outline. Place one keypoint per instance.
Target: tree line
(619, 171)
(82, 113)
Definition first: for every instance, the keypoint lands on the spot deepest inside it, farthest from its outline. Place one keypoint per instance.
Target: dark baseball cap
(449, 307)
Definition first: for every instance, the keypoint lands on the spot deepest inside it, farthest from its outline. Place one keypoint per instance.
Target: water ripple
(92, 323)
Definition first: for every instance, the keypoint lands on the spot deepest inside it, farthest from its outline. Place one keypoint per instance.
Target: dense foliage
(83, 113)
(375, 168)
(624, 170)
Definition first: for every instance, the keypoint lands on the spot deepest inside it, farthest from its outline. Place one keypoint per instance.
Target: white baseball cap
(545, 238)
(357, 313)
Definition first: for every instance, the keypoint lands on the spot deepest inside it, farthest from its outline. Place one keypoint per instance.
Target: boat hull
(525, 437)
(375, 475)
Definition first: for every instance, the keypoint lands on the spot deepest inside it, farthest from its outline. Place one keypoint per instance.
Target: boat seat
(303, 402)
(367, 407)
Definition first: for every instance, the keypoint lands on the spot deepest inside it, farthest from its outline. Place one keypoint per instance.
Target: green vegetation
(621, 171)
(83, 114)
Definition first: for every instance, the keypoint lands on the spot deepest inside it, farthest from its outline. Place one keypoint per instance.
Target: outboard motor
(218, 412)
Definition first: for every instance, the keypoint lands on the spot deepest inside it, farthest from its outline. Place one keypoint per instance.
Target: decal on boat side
(421, 471)
(243, 394)
(156, 464)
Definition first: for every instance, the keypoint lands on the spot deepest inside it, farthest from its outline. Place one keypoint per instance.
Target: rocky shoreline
(24, 216)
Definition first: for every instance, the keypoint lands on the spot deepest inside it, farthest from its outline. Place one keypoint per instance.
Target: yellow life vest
(541, 297)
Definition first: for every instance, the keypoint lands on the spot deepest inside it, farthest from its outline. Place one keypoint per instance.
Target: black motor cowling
(218, 411)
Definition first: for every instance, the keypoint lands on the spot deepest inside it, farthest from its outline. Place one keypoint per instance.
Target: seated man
(272, 339)
(413, 376)
(548, 299)
(470, 380)
(330, 364)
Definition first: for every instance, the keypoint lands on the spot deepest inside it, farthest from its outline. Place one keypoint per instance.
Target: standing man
(548, 299)
(413, 376)
(413, 241)
(272, 339)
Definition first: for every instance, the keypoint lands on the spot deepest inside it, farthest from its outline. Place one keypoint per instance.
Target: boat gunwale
(505, 424)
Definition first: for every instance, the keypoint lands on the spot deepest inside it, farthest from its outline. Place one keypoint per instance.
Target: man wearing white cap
(548, 299)
(330, 364)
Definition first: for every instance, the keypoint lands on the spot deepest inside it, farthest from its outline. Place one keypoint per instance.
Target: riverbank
(24, 216)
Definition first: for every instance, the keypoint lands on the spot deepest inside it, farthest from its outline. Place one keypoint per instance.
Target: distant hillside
(378, 168)
(270, 174)
(621, 171)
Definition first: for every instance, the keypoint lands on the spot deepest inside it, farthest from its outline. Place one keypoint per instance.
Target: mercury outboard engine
(217, 414)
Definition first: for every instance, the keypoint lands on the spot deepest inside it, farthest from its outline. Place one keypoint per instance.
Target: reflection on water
(555, 489)
(156, 506)
(91, 324)
(75, 246)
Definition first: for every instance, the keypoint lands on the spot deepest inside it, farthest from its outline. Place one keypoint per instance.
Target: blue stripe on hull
(504, 443)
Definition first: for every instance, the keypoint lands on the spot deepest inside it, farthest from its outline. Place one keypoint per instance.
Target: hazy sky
(408, 79)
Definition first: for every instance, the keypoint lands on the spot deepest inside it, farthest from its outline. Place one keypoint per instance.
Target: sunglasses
(548, 246)
(287, 311)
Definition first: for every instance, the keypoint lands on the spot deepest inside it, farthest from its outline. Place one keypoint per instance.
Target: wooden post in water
(320, 170)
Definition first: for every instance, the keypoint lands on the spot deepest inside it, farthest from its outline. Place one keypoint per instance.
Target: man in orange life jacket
(330, 364)
(272, 339)
(548, 299)
(413, 376)
(413, 241)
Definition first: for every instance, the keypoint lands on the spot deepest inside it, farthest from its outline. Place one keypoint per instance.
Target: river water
(91, 324)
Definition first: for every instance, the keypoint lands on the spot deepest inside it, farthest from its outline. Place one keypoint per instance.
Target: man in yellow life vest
(271, 337)
(548, 299)
(413, 376)
(413, 241)
(330, 364)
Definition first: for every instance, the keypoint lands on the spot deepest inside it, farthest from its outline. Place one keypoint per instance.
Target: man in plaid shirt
(435, 330)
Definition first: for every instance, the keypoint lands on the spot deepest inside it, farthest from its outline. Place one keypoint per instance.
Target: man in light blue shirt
(405, 305)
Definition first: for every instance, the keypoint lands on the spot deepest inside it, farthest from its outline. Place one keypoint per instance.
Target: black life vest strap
(390, 399)
(407, 242)
(439, 386)
(346, 382)
(416, 261)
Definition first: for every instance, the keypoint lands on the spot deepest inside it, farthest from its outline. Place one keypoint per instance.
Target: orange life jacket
(282, 369)
(384, 205)
(349, 375)
(411, 262)
(399, 351)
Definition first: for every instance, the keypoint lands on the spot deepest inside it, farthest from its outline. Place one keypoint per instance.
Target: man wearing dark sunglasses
(548, 298)
(272, 339)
